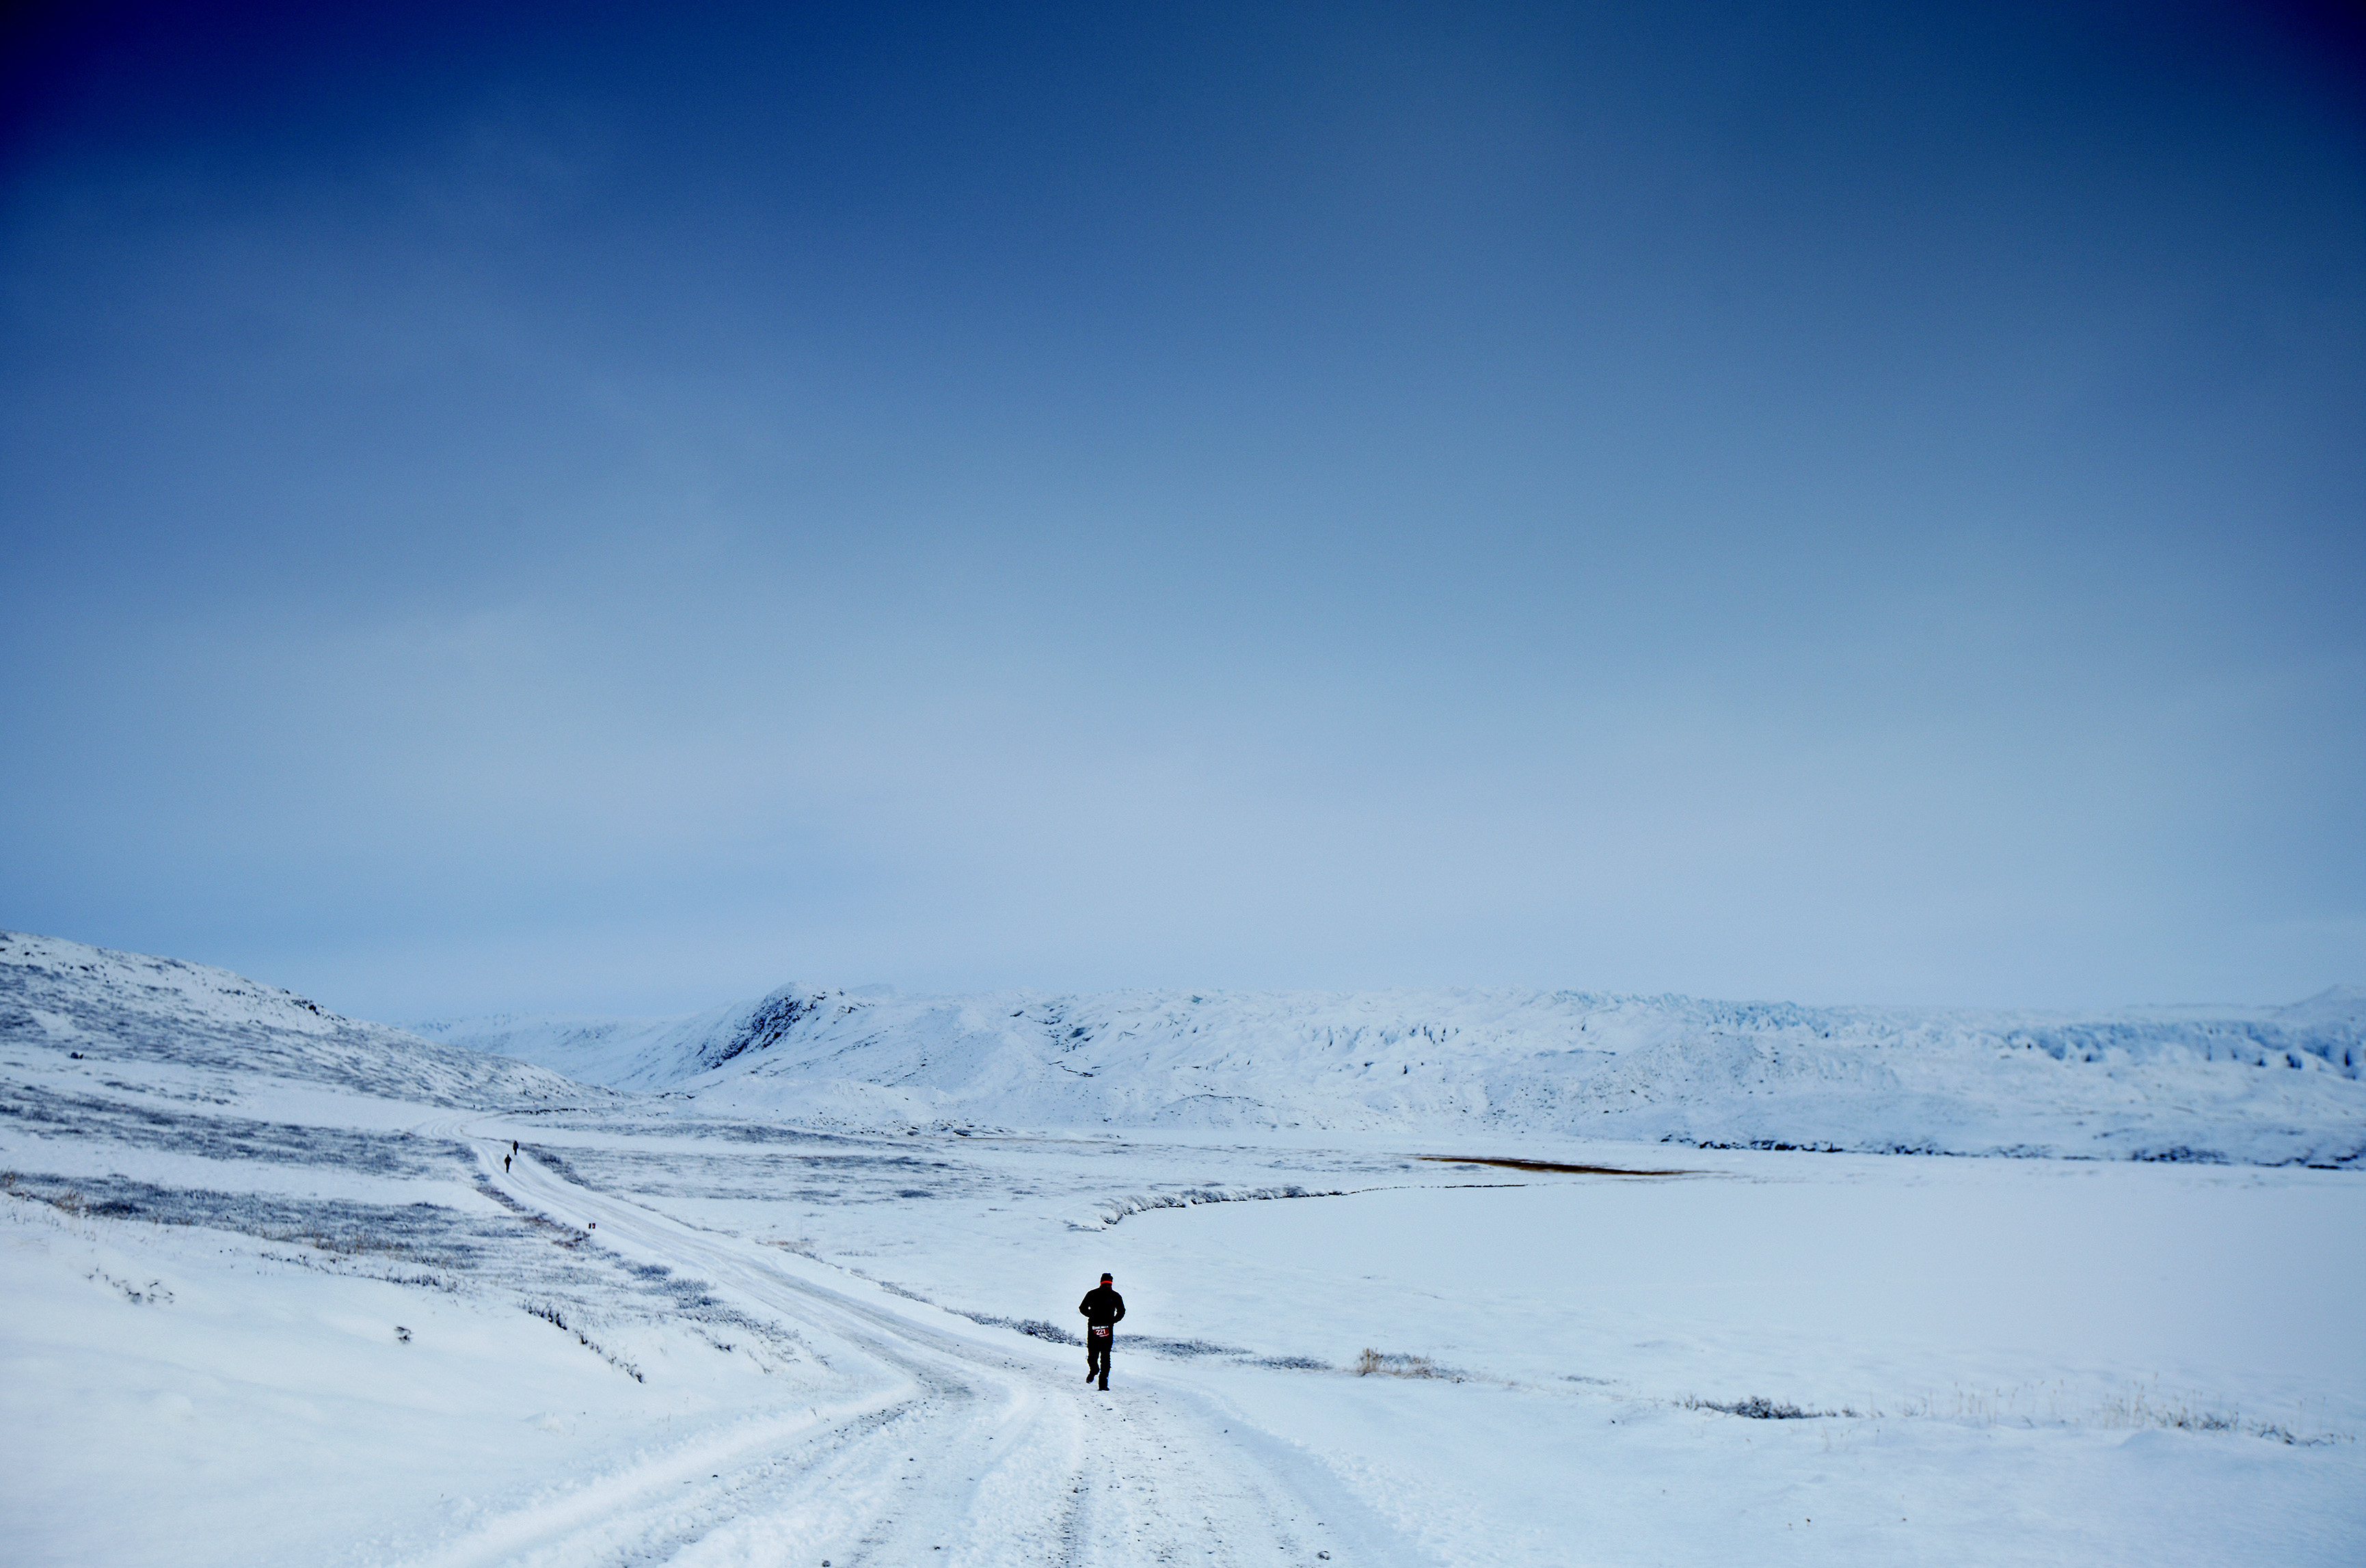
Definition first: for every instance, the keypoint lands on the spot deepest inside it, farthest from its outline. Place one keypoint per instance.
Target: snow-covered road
(953, 1444)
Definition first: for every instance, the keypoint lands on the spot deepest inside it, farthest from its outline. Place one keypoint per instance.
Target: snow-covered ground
(2262, 1086)
(268, 1294)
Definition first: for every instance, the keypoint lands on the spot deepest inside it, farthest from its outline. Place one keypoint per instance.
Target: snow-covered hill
(2258, 1086)
(126, 1008)
(2252, 1085)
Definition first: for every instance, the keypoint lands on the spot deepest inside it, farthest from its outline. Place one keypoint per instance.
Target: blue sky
(613, 512)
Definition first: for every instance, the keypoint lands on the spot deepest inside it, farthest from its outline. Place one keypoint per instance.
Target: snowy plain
(268, 1294)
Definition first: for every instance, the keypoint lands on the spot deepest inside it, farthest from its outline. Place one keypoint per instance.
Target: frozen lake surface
(268, 1294)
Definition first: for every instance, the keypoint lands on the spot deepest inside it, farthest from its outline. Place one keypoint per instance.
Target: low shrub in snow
(1033, 1327)
(1394, 1365)
(1758, 1407)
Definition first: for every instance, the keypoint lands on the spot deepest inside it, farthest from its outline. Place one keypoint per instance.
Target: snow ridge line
(2173, 1154)
(1115, 1209)
(1112, 1210)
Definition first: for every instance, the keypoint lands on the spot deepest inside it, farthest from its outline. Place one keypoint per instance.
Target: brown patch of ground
(1549, 1165)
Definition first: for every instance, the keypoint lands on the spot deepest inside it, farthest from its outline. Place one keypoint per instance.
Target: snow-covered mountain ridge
(2262, 1085)
(2279, 1085)
(127, 1008)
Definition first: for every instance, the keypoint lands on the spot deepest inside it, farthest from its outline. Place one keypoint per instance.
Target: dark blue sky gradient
(598, 510)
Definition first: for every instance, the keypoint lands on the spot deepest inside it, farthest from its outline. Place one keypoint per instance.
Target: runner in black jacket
(1102, 1308)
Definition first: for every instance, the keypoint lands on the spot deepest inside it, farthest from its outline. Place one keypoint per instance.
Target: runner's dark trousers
(1096, 1352)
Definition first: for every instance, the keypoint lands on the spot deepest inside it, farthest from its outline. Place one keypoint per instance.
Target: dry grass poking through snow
(1394, 1365)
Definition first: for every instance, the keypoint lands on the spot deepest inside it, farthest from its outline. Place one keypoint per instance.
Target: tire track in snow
(951, 1447)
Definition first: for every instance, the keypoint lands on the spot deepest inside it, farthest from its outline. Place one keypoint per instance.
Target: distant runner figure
(1102, 1308)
